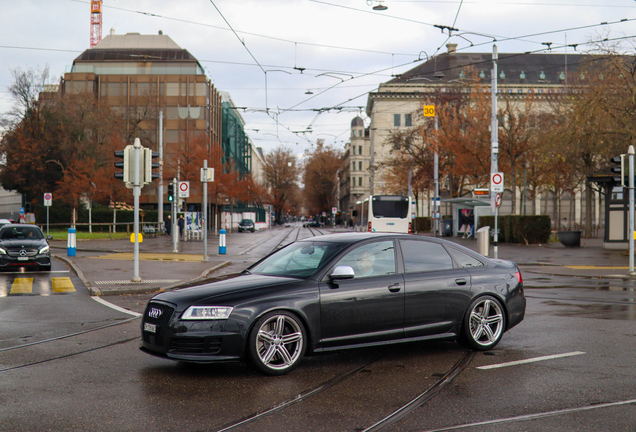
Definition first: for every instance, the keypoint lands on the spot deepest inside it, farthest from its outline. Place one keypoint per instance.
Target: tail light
(518, 274)
(369, 227)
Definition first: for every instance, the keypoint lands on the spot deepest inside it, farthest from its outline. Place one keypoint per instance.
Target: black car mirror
(342, 272)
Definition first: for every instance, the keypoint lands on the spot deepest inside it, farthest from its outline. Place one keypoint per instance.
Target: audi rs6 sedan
(24, 245)
(335, 292)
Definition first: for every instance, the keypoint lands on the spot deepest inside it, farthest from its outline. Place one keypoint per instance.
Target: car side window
(465, 260)
(374, 259)
(422, 256)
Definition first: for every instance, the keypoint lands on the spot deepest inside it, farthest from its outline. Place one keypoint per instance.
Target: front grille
(196, 345)
(16, 253)
(159, 315)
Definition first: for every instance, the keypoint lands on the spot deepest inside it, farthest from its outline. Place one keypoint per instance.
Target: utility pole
(160, 186)
(494, 143)
(630, 153)
(136, 193)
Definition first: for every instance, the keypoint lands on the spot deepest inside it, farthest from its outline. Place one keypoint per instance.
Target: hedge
(519, 229)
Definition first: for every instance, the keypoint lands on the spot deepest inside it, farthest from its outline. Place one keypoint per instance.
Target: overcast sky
(344, 48)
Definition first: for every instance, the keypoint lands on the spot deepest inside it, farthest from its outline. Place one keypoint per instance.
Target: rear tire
(277, 343)
(483, 324)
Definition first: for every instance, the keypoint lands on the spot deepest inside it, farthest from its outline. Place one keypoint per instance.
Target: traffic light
(620, 169)
(149, 165)
(127, 174)
(171, 192)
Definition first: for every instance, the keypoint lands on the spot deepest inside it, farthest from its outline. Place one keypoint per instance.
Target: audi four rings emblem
(154, 313)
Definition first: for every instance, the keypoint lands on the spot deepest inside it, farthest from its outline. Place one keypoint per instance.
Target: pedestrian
(168, 225)
(181, 223)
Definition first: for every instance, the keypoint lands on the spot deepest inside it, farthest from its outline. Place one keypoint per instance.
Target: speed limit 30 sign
(497, 182)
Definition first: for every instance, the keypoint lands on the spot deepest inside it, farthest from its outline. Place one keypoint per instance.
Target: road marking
(117, 308)
(535, 416)
(153, 257)
(22, 286)
(593, 267)
(62, 284)
(531, 360)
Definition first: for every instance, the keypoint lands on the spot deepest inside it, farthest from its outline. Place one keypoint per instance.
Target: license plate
(152, 328)
(23, 258)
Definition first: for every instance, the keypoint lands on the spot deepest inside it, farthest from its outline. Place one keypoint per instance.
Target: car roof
(13, 225)
(5, 221)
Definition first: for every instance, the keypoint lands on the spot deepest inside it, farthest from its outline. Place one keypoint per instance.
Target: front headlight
(44, 250)
(2, 251)
(207, 312)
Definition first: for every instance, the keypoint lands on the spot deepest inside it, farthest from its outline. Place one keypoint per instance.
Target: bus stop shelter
(463, 208)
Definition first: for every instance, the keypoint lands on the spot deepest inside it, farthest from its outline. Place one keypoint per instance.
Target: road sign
(497, 182)
(207, 175)
(429, 111)
(498, 199)
(48, 199)
(184, 189)
(334, 210)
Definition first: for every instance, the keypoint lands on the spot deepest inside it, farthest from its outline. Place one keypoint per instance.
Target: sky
(270, 55)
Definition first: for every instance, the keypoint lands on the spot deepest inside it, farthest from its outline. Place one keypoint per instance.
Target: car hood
(20, 243)
(203, 292)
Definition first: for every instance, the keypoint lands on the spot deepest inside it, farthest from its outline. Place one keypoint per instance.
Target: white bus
(384, 213)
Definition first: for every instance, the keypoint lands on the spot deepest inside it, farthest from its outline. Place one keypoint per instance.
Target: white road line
(117, 308)
(531, 360)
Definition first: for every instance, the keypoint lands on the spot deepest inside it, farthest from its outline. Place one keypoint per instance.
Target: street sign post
(497, 182)
(184, 189)
(48, 202)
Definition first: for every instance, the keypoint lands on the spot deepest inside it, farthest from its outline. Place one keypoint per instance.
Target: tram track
(395, 416)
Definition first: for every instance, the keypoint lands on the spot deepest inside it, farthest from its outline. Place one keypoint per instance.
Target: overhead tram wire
(153, 15)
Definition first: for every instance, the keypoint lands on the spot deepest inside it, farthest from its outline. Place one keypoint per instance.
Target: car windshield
(20, 233)
(246, 222)
(298, 260)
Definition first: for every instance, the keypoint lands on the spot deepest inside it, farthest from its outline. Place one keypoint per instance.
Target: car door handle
(460, 281)
(395, 287)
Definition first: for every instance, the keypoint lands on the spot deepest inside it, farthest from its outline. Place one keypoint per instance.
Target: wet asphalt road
(90, 375)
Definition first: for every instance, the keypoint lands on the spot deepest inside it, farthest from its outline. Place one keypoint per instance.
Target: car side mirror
(342, 272)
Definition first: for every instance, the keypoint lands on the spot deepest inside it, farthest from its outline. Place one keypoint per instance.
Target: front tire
(483, 324)
(277, 343)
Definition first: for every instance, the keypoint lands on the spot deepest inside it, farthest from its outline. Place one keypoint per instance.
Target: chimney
(112, 32)
(451, 47)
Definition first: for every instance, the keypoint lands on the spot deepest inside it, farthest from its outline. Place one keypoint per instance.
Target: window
(408, 120)
(359, 150)
(360, 165)
(201, 89)
(465, 260)
(172, 89)
(360, 132)
(353, 166)
(353, 150)
(375, 259)
(359, 181)
(424, 256)
(114, 89)
(171, 113)
(143, 89)
(397, 121)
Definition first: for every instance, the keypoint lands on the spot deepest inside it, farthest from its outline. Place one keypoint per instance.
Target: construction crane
(96, 22)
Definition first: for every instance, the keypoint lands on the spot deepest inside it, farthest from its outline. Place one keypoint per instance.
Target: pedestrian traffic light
(27, 207)
(149, 165)
(127, 174)
(171, 192)
(620, 168)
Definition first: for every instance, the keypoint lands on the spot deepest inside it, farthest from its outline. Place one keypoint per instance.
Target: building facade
(355, 176)
(141, 76)
(398, 103)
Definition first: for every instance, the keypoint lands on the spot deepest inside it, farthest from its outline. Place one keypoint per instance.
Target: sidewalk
(106, 266)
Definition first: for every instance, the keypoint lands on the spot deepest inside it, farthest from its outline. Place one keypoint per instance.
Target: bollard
(483, 240)
(222, 242)
(70, 242)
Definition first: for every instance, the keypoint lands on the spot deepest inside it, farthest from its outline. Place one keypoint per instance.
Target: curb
(94, 291)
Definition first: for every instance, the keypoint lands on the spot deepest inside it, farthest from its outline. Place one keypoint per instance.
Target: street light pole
(494, 144)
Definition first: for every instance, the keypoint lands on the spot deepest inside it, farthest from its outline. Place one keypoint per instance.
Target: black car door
(436, 293)
(369, 307)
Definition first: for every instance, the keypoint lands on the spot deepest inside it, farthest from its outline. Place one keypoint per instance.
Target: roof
(448, 66)
(136, 41)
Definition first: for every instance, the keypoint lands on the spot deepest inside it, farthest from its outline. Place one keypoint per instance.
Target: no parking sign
(48, 199)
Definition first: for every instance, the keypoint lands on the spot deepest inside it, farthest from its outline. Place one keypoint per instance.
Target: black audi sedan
(335, 292)
(24, 245)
